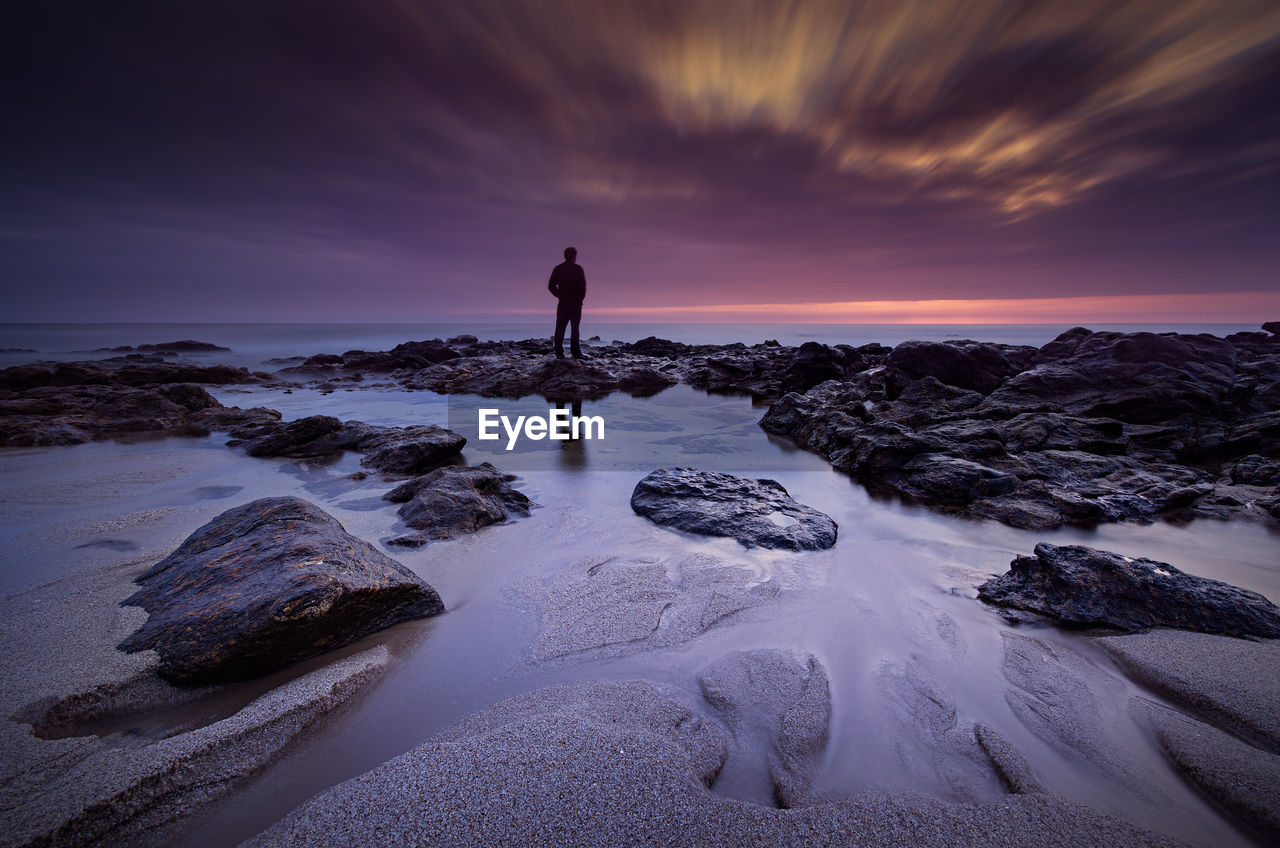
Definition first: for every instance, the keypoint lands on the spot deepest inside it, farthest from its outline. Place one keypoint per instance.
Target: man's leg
(574, 320)
(562, 318)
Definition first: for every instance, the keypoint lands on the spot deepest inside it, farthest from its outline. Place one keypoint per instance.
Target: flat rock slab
(455, 500)
(1078, 586)
(1232, 683)
(781, 698)
(758, 513)
(595, 763)
(265, 585)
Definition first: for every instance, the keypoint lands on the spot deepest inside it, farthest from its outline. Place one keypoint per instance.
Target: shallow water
(892, 601)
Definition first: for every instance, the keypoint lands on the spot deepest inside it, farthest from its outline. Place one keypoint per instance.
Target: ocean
(253, 344)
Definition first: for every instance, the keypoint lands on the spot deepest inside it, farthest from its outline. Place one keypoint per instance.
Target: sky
(883, 161)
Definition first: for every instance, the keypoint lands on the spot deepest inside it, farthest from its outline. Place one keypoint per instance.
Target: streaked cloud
(692, 149)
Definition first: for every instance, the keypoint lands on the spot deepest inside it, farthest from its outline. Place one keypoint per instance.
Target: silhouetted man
(568, 283)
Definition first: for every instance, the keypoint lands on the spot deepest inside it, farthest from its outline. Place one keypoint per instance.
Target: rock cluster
(1092, 427)
(265, 585)
(74, 402)
(758, 513)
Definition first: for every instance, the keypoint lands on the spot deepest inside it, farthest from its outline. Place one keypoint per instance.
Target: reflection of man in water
(568, 283)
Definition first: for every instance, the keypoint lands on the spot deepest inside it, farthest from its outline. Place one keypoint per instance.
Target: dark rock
(1099, 427)
(183, 346)
(758, 513)
(654, 346)
(1078, 586)
(1272, 327)
(1133, 377)
(313, 436)
(395, 450)
(454, 500)
(54, 415)
(408, 450)
(979, 367)
(265, 585)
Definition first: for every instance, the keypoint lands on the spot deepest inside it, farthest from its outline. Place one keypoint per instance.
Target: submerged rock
(265, 585)
(454, 500)
(1078, 586)
(758, 513)
(783, 698)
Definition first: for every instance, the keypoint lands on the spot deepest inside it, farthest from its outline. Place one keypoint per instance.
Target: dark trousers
(568, 313)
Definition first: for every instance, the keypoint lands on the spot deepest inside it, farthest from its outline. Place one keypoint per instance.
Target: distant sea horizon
(253, 344)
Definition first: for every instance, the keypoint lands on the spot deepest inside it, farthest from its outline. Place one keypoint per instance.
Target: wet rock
(122, 371)
(625, 763)
(610, 606)
(780, 697)
(976, 366)
(313, 436)
(1272, 327)
(1078, 586)
(1237, 775)
(1137, 377)
(50, 415)
(407, 450)
(263, 586)
(758, 513)
(395, 450)
(1090, 428)
(454, 500)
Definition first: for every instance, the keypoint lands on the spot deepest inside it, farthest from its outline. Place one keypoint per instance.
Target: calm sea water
(253, 344)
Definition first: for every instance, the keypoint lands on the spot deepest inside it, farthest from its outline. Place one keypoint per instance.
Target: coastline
(633, 370)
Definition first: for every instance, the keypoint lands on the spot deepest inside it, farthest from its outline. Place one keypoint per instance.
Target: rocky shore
(1089, 429)
(1093, 427)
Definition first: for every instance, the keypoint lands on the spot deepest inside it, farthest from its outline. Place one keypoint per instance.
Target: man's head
(571, 253)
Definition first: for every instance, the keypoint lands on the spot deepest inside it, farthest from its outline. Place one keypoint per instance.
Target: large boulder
(265, 585)
(454, 500)
(758, 513)
(1078, 586)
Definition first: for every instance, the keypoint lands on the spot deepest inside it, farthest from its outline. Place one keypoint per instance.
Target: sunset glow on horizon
(1218, 308)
